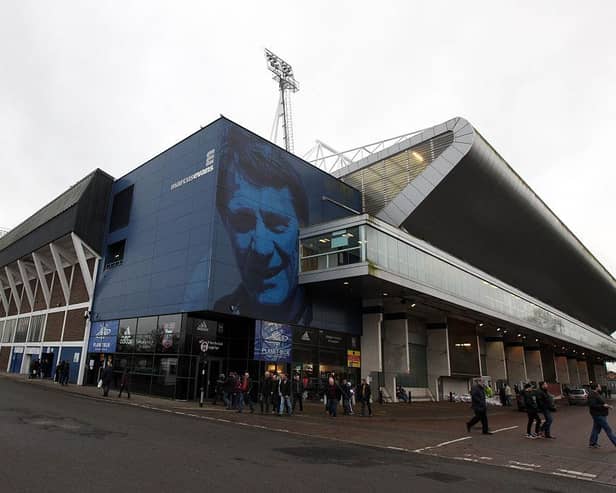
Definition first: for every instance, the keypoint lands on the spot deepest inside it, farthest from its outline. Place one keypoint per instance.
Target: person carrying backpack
(532, 410)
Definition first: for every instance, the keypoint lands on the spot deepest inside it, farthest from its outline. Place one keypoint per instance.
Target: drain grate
(442, 477)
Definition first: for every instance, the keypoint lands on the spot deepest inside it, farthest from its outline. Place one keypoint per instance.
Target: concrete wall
(516, 364)
(371, 355)
(574, 374)
(395, 352)
(534, 368)
(562, 370)
(495, 361)
(437, 351)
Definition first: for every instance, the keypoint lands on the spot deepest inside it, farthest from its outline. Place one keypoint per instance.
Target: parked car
(578, 396)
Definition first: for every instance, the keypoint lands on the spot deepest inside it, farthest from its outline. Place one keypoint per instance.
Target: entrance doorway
(213, 370)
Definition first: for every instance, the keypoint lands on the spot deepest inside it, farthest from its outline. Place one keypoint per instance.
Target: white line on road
(398, 448)
(522, 468)
(577, 473)
(515, 462)
(441, 444)
(572, 476)
(505, 429)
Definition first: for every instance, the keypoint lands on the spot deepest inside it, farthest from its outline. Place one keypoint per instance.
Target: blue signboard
(103, 337)
(273, 342)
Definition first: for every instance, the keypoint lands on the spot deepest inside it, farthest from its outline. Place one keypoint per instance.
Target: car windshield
(577, 391)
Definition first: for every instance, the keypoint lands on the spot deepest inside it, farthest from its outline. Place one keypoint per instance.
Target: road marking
(522, 468)
(400, 449)
(467, 459)
(571, 476)
(577, 473)
(439, 445)
(505, 429)
(515, 462)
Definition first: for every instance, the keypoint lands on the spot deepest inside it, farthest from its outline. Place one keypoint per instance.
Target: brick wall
(53, 330)
(75, 325)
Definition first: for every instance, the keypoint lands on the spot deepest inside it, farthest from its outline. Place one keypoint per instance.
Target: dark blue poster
(103, 337)
(273, 342)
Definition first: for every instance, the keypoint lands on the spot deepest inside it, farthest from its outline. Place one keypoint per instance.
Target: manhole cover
(443, 477)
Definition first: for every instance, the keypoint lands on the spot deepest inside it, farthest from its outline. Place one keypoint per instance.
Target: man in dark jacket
(545, 405)
(298, 392)
(107, 377)
(599, 411)
(532, 410)
(265, 395)
(480, 408)
(124, 381)
(332, 394)
(364, 395)
(285, 395)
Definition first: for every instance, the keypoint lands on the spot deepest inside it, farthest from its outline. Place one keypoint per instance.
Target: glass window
(127, 331)
(115, 254)
(22, 329)
(328, 250)
(9, 330)
(164, 375)
(120, 210)
(168, 336)
(145, 340)
(36, 328)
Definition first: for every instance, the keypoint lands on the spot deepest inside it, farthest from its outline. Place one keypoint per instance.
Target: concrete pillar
(562, 370)
(574, 374)
(516, 365)
(371, 351)
(395, 352)
(495, 360)
(600, 374)
(548, 364)
(583, 372)
(437, 352)
(534, 369)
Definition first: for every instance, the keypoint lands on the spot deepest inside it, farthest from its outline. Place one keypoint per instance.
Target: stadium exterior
(427, 264)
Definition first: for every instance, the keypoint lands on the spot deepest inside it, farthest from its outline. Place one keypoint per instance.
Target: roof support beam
(24, 277)
(11, 279)
(5, 302)
(55, 254)
(83, 264)
(40, 272)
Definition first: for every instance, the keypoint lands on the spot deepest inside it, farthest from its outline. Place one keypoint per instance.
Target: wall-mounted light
(413, 305)
(346, 283)
(417, 156)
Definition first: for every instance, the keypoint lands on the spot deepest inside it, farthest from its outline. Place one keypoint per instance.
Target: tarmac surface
(69, 439)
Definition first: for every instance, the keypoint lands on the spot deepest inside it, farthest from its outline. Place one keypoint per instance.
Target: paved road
(52, 441)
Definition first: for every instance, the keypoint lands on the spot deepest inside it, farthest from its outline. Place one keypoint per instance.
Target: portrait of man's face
(263, 228)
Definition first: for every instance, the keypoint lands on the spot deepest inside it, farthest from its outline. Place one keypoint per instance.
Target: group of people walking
(538, 402)
(278, 394)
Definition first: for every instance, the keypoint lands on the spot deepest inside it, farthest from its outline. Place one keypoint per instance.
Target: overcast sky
(88, 84)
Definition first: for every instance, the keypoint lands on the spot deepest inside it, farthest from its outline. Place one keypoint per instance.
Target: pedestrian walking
(599, 411)
(509, 394)
(246, 390)
(65, 372)
(502, 394)
(265, 393)
(276, 395)
(346, 397)
(333, 394)
(480, 408)
(107, 377)
(228, 387)
(546, 406)
(364, 394)
(532, 410)
(124, 381)
(298, 392)
(285, 395)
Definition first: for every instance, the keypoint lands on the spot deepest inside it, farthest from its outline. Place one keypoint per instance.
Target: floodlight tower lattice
(283, 75)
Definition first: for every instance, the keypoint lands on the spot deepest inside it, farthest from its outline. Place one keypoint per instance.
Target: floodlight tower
(283, 74)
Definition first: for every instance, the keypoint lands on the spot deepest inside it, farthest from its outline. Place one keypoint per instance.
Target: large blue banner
(273, 342)
(103, 337)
